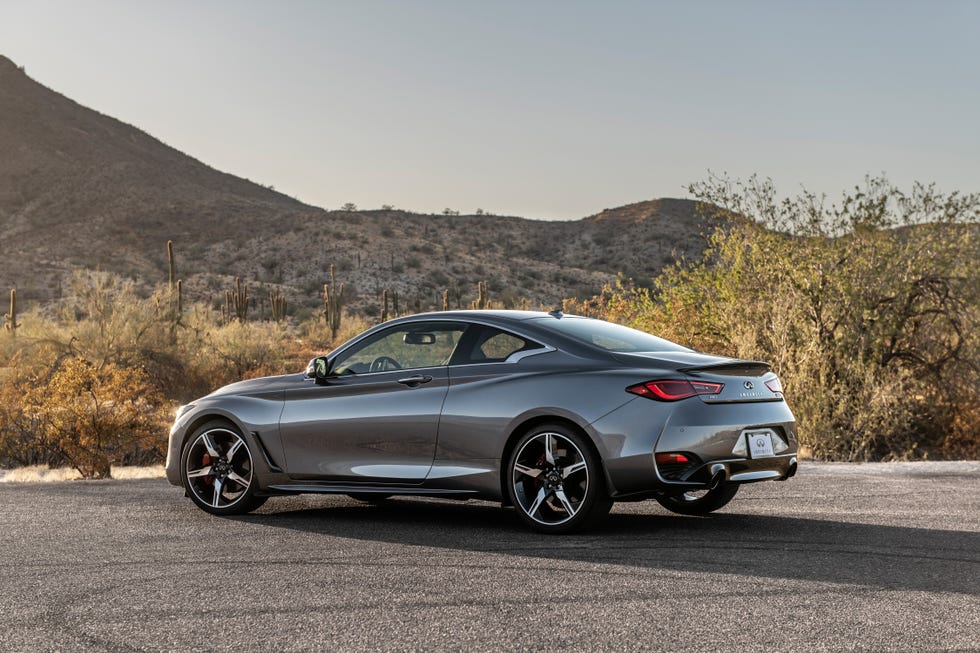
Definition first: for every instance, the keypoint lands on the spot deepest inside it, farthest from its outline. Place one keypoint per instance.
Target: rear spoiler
(733, 368)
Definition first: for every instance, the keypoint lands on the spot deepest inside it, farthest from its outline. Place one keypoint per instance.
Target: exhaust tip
(718, 476)
(791, 472)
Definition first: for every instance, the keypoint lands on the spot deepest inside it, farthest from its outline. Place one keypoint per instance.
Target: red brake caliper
(537, 481)
(205, 461)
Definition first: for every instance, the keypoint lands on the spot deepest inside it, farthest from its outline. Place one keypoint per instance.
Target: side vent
(265, 453)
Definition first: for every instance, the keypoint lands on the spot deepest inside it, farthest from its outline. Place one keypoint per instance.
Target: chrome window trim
(513, 358)
(521, 355)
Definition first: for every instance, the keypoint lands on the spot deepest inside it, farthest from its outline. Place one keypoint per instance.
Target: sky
(544, 109)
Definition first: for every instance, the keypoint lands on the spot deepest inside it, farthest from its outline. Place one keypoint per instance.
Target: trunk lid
(744, 381)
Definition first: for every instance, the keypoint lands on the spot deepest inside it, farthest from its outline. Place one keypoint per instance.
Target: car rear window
(608, 336)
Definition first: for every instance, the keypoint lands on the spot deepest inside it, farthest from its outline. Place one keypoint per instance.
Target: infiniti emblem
(748, 385)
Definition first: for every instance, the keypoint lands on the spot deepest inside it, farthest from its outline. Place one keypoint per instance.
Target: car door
(489, 386)
(376, 418)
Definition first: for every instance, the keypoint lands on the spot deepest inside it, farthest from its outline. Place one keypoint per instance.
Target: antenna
(556, 313)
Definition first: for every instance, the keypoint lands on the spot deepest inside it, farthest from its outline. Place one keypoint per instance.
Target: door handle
(412, 381)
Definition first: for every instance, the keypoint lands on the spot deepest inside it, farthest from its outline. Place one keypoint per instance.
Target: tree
(868, 307)
(869, 310)
(349, 206)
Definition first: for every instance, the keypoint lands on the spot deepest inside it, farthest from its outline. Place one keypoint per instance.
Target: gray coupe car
(556, 415)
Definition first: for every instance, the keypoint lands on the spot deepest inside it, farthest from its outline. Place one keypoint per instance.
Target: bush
(86, 416)
(868, 310)
(94, 381)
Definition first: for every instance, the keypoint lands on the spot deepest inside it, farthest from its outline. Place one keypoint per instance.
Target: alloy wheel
(219, 468)
(550, 478)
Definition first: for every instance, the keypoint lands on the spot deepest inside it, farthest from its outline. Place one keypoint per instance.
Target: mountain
(79, 189)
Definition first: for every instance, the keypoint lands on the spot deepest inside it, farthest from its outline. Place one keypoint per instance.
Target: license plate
(760, 444)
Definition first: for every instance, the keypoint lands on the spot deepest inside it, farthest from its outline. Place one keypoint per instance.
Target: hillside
(79, 189)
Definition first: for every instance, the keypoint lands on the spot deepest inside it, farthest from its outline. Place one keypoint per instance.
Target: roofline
(521, 322)
(504, 314)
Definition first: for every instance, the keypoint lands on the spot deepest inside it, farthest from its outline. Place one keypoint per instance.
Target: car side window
(492, 345)
(406, 346)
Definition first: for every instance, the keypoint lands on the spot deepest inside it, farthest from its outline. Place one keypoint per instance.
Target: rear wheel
(217, 470)
(556, 482)
(699, 502)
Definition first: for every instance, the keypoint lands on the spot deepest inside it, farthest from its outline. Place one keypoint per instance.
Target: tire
(699, 503)
(555, 481)
(225, 487)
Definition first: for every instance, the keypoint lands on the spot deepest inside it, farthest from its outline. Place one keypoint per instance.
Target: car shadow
(741, 545)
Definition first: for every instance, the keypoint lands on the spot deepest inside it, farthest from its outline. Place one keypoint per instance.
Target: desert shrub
(22, 441)
(249, 350)
(84, 415)
(439, 279)
(867, 309)
(105, 321)
(94, 380)
(315, 337)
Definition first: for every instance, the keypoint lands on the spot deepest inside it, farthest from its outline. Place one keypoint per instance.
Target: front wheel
(699, 502)
(556, 482)
(217, 470)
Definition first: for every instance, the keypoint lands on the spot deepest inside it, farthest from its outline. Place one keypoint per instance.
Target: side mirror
(318, 369)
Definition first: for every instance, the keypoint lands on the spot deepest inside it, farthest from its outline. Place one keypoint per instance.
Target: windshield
(609, 336)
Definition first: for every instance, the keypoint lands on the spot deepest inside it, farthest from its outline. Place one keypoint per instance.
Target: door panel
(365, 427)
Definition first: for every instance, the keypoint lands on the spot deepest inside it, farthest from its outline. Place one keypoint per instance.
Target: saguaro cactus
(11, 317)
(333, 303)
(384, 305)
(180, 299)
(445, 299)
(175, 285)
(239, 300)
(170, 263)
(226, 308)
(482, 300)
(277, 304)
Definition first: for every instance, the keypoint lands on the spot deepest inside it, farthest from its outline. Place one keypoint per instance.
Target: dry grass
(44, 474)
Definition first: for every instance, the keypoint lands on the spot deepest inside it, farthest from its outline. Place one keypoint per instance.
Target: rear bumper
(708, 432)
(739, 470)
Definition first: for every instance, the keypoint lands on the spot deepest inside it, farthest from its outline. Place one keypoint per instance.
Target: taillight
(774, 385)
(674, 389)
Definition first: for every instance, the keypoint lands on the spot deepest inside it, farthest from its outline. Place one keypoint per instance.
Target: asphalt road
(843, 557)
